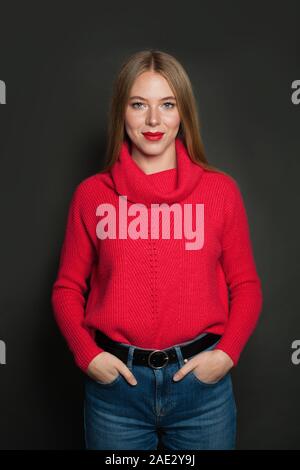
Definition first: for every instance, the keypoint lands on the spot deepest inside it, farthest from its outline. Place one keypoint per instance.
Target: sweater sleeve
(68, 298)
(245, 290)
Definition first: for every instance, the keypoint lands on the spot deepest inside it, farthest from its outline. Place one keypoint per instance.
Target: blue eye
(137, 102)
(172, 104)
(140, 103)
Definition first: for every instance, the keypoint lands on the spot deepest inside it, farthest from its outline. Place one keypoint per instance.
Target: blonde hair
(178, 80)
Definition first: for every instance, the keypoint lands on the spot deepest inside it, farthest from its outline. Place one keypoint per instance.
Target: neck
(155, 163)
(131, 181)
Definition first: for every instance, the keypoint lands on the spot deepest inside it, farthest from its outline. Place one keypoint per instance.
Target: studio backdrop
(57, 66)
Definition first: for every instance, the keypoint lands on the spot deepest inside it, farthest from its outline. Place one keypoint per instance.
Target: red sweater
(155, 291)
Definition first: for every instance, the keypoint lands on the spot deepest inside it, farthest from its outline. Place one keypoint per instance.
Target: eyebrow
(144, 99)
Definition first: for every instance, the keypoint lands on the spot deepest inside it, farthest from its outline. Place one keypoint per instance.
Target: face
(151, 108)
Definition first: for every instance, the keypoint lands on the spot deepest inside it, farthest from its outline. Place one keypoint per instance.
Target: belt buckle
(159, 356)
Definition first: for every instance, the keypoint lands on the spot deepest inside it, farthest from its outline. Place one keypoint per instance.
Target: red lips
(153, 135)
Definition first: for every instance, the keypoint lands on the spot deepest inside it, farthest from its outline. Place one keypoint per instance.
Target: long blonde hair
(166, 65)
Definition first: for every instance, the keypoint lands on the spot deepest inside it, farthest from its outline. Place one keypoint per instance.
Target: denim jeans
(187, 414)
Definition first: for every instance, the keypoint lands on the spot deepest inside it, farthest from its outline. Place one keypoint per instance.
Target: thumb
(183, 371)
(127, 374)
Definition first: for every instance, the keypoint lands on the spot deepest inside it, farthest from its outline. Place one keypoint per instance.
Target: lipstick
(153, 135)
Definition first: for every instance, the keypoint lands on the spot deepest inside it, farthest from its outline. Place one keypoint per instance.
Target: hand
(213, 365)
(105, 367)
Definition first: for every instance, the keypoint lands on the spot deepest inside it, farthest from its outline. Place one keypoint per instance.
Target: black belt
(155, 358)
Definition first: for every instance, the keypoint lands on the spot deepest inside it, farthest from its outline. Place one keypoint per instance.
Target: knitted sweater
(154, 278)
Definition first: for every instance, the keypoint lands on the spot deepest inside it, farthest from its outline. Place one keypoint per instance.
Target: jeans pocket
(202, 382)
(108, 384)
(208, 384)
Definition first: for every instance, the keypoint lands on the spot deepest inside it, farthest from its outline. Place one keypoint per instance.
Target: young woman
(157, 278)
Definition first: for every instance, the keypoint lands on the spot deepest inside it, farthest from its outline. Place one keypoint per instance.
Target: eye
(172, 104)
(136, 103)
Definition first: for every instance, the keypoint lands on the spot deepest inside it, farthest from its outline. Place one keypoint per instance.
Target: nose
(152, 118)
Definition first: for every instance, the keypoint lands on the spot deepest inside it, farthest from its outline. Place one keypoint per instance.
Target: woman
(163, 238)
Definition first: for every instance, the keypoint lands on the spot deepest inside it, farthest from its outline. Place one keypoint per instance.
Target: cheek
(172, 120)
(133, 120)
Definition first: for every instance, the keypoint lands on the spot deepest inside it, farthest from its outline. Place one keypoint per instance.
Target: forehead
(151, 85)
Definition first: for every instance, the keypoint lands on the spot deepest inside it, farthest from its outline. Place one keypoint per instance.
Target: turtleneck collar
(131, 181)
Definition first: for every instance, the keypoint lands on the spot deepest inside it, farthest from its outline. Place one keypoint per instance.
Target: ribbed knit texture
(154, 293)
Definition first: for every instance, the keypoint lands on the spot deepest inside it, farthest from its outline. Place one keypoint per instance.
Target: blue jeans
(188, 414)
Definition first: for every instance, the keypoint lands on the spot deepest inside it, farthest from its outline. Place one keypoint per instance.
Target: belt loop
(179, 356)
(130, 357)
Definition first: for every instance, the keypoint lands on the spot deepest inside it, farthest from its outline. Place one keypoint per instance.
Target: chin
(148, 144)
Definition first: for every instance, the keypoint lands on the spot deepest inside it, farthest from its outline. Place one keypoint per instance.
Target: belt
(155, 358)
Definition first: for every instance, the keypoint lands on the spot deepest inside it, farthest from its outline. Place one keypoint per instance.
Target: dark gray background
(58, 61)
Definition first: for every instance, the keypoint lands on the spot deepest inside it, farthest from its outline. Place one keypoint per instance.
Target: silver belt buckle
(157, 357)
